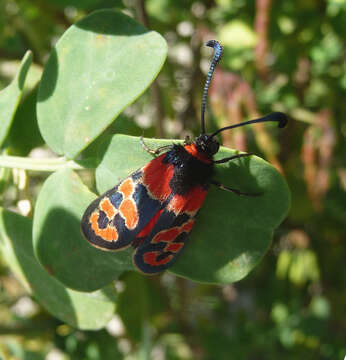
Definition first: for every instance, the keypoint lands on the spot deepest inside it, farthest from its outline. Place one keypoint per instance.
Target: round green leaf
(99, 66)
(82, 310)
(232, 233)
(58, 242)
(11, 95)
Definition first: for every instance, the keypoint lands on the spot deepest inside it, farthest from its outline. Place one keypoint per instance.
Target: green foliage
(10, 97)
(77, 98)
(300, 266)
(81, 310)
(65, 253)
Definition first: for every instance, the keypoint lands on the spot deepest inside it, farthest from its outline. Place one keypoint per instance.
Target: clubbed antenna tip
(281, 118)
(278, 117)
(216, 58)
(218, 50)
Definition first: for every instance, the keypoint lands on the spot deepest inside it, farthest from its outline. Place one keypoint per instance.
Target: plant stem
(49, 164)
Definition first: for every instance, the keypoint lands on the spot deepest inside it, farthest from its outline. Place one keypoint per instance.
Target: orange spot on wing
(151, 256)
(108, 208)
(126, 187)
(93, 220)
(128, 211)
(128, 208)
(108, 234)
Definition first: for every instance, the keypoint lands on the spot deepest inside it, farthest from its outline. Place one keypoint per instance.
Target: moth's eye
(214, 147)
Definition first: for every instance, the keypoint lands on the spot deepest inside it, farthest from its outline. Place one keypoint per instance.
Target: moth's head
(206, 144)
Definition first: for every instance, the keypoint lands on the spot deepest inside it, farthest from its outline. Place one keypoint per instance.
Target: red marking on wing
(108, 234)
(170, 234)
(173, 247)
(128, 208)
(158, 253)
(192, 149)
(167, 236)
(156, 177)
(151, 256)
(107, 207)
(190, 203)
(147, 229)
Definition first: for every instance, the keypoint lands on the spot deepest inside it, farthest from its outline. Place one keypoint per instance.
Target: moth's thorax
(198, 154)
(191, 168)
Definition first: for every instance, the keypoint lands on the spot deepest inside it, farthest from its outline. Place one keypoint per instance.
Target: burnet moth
(154, 209)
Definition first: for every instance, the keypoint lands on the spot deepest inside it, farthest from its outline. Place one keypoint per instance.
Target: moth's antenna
(216, 58)
(278, 117)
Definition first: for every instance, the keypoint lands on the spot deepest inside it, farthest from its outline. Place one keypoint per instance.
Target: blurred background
(278, 56)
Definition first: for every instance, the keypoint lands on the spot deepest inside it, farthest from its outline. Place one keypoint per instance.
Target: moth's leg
(235, 191)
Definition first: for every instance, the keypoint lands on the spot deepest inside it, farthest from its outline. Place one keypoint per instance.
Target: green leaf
(232, 233)
(10, 68)
(11, 95)
(82, 310)
(24, 134)
(58, 242)
(140, 301)
(99, 66)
